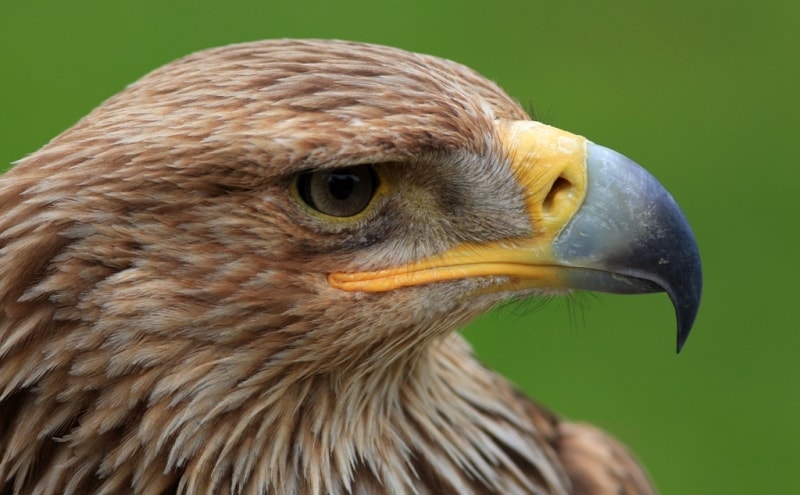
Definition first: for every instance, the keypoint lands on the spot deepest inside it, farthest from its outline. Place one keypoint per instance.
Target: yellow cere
(550, 164)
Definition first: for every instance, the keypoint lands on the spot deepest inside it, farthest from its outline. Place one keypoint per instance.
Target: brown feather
(166, 322)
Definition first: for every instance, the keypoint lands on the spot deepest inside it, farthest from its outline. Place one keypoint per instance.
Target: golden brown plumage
(169, 319)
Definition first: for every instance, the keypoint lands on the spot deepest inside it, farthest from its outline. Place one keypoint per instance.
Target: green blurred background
(705, 95)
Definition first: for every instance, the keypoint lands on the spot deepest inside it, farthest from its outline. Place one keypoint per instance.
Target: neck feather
(437, 423)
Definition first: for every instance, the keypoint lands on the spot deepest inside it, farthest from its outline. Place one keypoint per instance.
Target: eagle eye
(338, 192)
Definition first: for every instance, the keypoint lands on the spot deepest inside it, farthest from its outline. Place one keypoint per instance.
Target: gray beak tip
(631, 236)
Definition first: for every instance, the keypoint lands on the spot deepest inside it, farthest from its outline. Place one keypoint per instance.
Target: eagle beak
(599, 222)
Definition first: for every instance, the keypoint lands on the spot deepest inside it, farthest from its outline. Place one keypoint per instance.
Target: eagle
(245, 273)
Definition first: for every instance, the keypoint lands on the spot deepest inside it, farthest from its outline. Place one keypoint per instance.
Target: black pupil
(342, 184)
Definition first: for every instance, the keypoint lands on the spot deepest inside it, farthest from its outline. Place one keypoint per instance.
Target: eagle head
(242, 274)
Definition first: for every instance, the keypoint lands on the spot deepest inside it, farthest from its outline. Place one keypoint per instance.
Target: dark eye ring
(338, 192)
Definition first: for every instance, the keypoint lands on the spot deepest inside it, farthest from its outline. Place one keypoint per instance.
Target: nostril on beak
(560, 187)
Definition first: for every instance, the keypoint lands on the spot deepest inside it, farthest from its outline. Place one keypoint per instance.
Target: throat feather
(439, 424)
